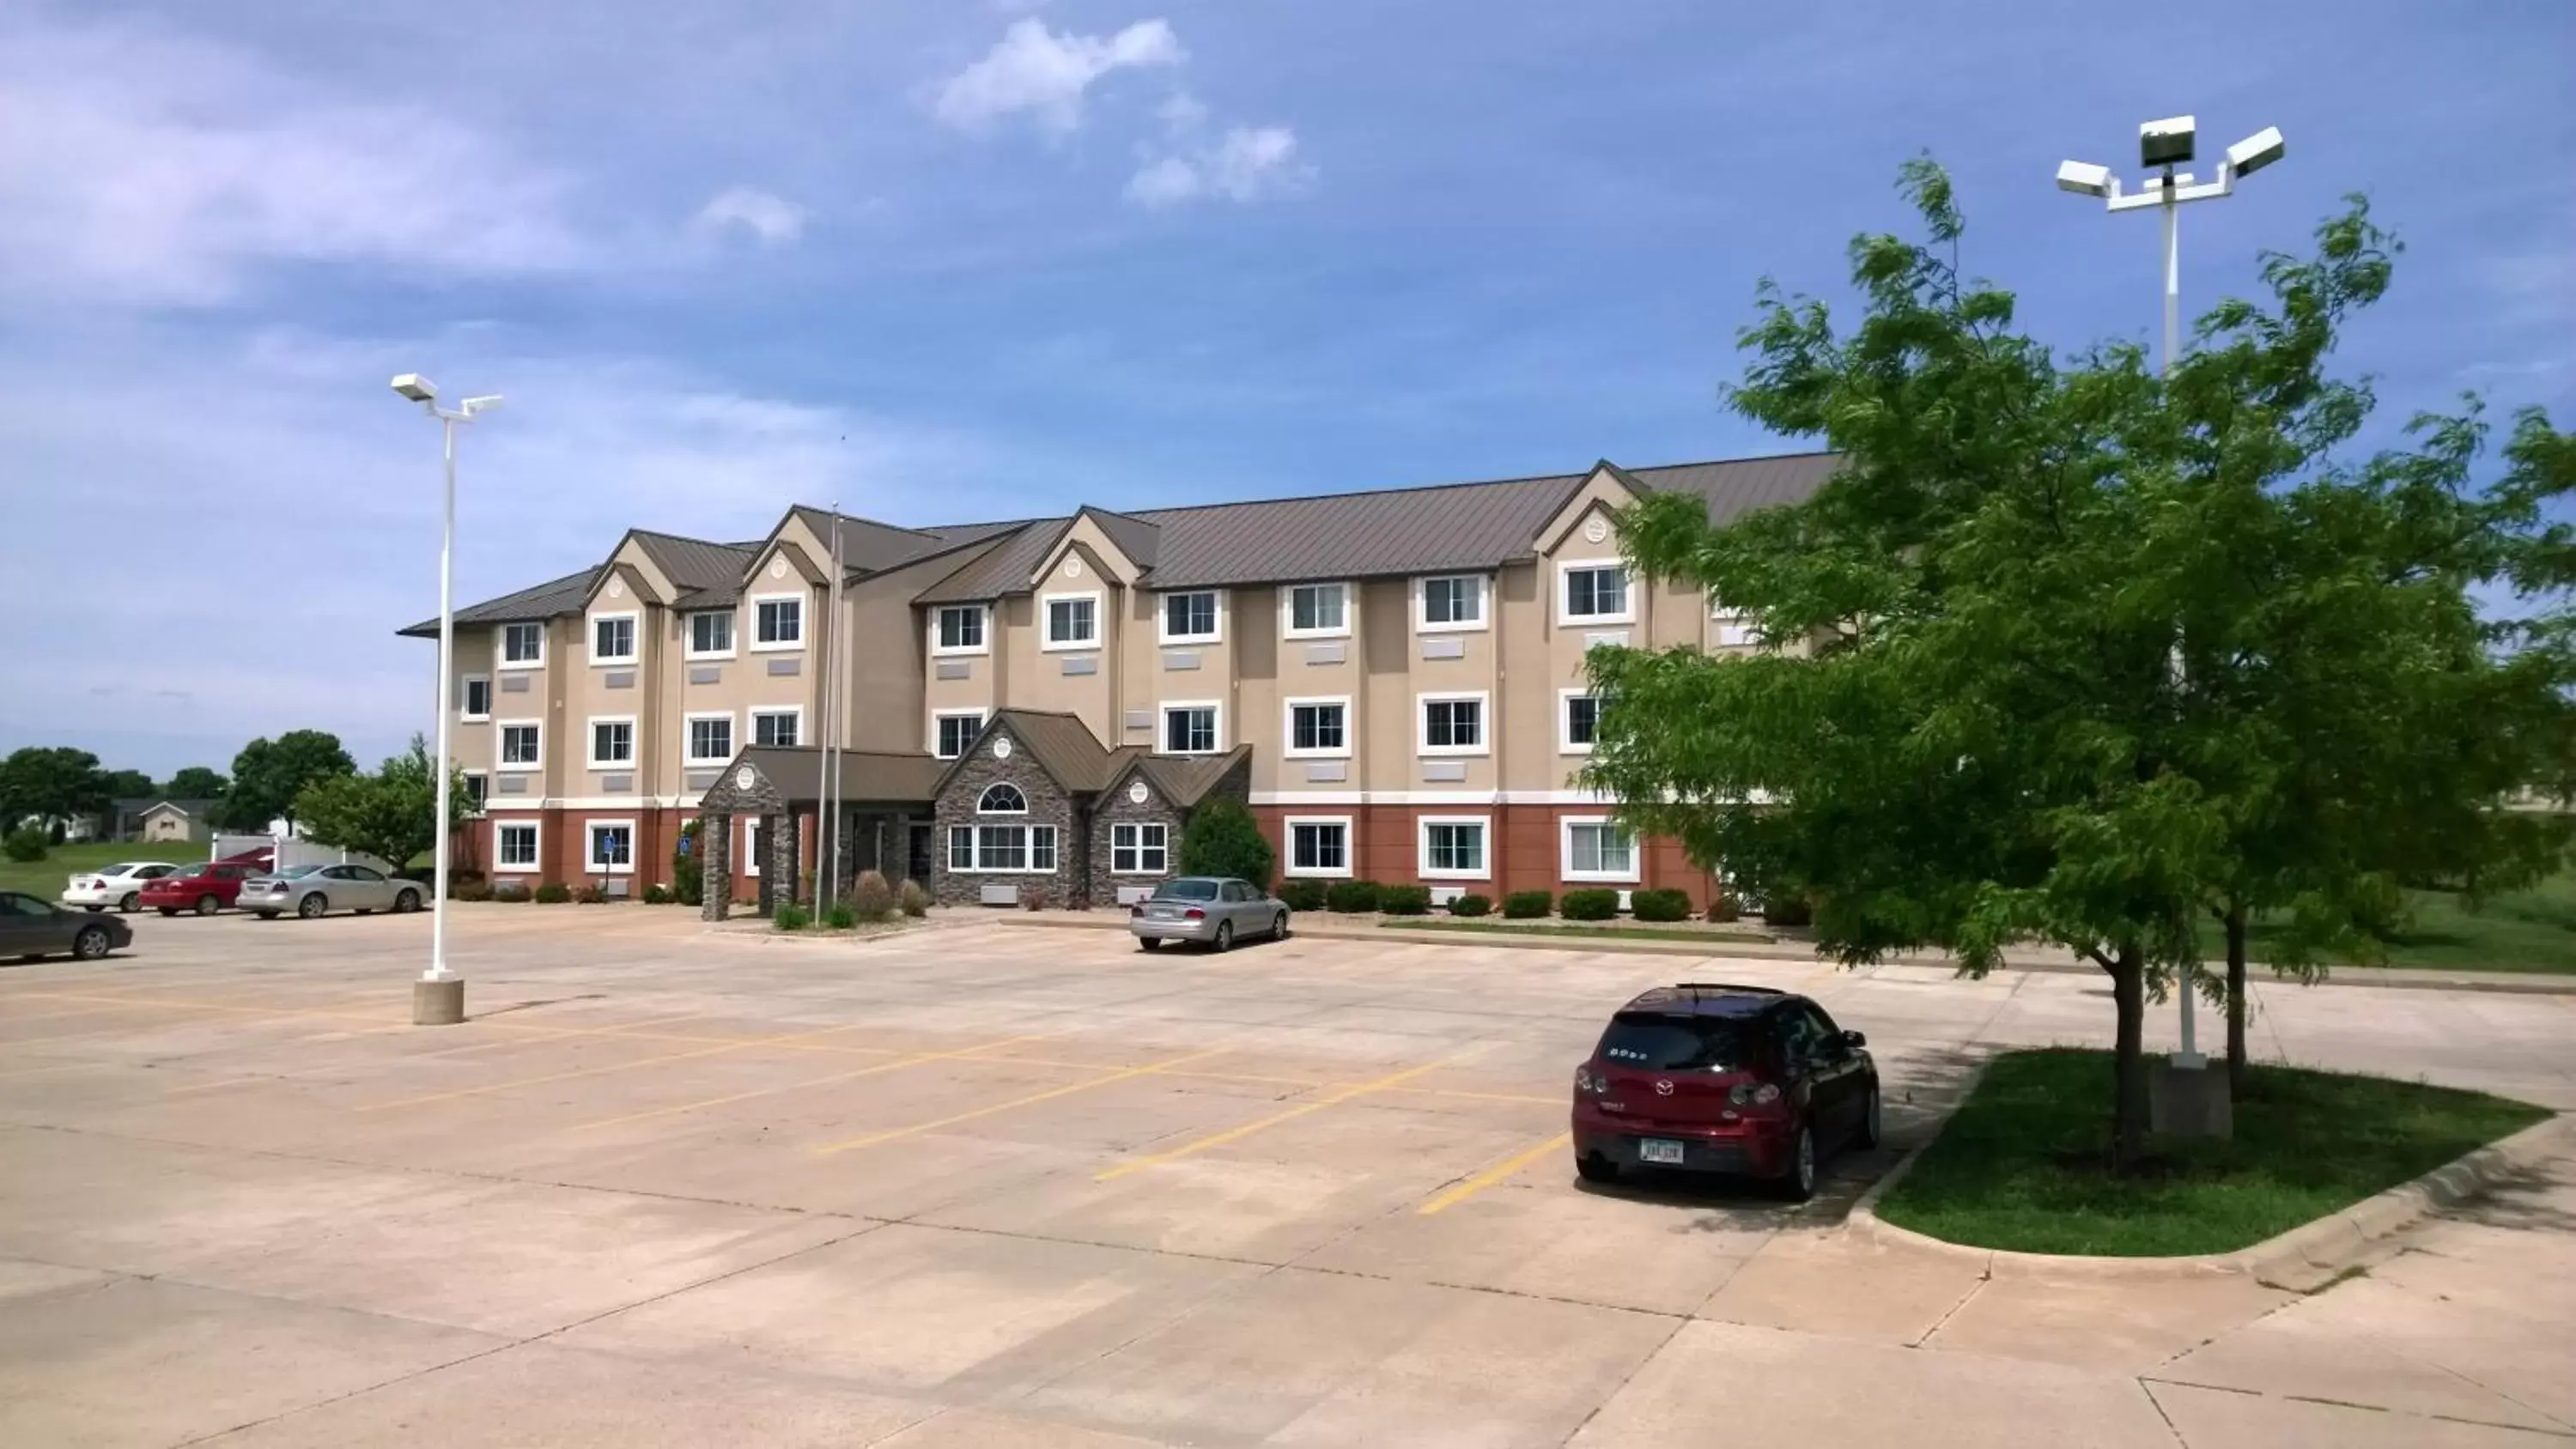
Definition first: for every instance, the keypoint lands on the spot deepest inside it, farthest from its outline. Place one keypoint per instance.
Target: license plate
(1659, 1149)
(1162, 913)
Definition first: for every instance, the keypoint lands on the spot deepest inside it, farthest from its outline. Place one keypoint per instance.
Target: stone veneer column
(715, 867)
(780, 872)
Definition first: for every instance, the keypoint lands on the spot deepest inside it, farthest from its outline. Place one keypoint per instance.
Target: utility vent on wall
(1140, 719)
(510, 785)
(1606, 637)
(956, 669)
(1086, 664)
(786, 666)
(1318, 770)
(514, 684)
(702, 779)
(1180, 659)
(1444, 648)
(1325, 653)
(616, 784)
(621, 679)
(706, 674)
(1444, 769)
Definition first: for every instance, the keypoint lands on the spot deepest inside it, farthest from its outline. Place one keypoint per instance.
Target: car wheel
(406, 902)
(1148, 943)
(1596, 1169)
(1225, 935)
(312, 905)
(168, 910)
(93, 910)
(126, 903)
(91, 943)
(1867, 1135)
(1279, 926)
(208, 905)
(1799, 1183)
(268, 915)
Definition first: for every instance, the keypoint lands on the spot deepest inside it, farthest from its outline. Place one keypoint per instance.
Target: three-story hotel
(1393, 680)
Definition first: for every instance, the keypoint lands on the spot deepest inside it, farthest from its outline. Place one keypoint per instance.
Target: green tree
(1222, 838)
(2071, 641)
(391, 814)
(52, 785)
(127, 785)
(268, 775)
(195, 782)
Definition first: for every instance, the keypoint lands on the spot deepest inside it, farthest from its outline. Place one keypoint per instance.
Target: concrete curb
(2302, 1260)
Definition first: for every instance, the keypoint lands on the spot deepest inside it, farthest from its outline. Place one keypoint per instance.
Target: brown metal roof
(706, 574)
(544, 601)
(1182, 779)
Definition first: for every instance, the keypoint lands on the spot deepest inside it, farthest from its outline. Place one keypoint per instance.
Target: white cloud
(1248, 163)
(1036, 71)
(135, 167)
(1181, 112)
(772, 219)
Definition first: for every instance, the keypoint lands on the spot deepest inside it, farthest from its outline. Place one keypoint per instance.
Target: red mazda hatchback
(1732, 1079)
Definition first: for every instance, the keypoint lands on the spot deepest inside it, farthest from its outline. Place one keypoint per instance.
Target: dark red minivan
(1716, 1078)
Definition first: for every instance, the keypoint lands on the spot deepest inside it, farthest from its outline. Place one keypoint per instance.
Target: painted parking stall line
(1127, 1075)
(1334, 1098)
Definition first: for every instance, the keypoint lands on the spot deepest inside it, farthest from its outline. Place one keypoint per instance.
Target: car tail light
(1194, 914)
(1748, 1095)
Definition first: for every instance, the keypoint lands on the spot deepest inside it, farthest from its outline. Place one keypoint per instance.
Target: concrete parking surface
(993, 1185)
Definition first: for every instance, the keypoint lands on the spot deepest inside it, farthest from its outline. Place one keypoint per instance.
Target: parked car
(206, 887)
(1719, 1078)
(31, 927)
(1215, 910)
(313, 890)
(119, 885)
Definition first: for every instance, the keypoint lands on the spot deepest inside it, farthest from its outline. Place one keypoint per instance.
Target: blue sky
(968, 260)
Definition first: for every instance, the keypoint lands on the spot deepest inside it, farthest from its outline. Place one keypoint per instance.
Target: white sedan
(115, 885)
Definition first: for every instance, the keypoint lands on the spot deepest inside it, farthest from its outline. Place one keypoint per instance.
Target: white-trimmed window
(1318, 728)
(1449, 602)
(612, 638)
(711, 634)
(474, 700)
(951, 731)
(1315, 611)
(612, 741)
(1453, 847)
(1140, 848)
(1319, 844)
(1729, 629)
(710, 738)
(523, 646)
(1002, 798)
(777, 621)
(1072, 621)
(1001, 848)
(1192, 727)
(1452, 724)
(514, 846)
(1594, 591)
(1194, 617)
(478, 787)
(778, 728)
(608, 847)
(521, 745)
(1596, 847)
(960, 629)
(1578, 720)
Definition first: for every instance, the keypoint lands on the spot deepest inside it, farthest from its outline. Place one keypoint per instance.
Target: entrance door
(917, 856)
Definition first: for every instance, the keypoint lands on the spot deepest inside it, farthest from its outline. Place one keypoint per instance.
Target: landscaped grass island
(2022, 1165)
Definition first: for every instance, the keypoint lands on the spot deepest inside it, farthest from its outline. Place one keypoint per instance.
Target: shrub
(512, 893)
(1590, 905)
(24, 844)
(592, 893)
(1302, 895)
(1222, 838)
(553, 893)
(1352, 896)
(1660, 905)
(841, 917)
(470, 890)
(1723, 907)
(871, 899)
(1470, 904)
(657, 894)
(688, 872)
(1787, 910)
(1527, 905)
(1033, 898)
(789, 917)
(1404, 900)
(913, 900)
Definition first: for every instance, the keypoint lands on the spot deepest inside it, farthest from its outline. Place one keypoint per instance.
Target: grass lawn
(45, 877)
(2020, 1165)
(1571, 928)
(2531, 930)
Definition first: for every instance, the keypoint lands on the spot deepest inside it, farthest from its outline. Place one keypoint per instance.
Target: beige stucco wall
(1032, 676)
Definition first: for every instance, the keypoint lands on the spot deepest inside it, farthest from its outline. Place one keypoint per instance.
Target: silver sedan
(1215, 910)
(312, 890)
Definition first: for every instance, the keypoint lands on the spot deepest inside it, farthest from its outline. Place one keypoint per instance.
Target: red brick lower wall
(562, 838)
(1523, 848)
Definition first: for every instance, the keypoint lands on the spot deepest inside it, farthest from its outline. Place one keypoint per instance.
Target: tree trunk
(2129, 1060)
(2240, 1067)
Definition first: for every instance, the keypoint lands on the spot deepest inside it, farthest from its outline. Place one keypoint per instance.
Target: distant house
(149, 819)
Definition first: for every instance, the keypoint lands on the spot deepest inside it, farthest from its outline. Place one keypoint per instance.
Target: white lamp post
(438, 997)
(2163, 145)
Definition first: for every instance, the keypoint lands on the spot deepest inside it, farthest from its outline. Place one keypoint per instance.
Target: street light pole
(2164, 145)
(438, 997)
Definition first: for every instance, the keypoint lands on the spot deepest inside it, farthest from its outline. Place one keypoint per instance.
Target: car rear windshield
(191, 872)
(1186, 890)
(1678, 1043)
(298, 872)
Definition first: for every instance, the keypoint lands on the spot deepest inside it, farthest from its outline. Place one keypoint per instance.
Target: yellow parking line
(1128, 1075)
(1509, 1166)
(1335, 1099)
(914, 1060)
(487, 1089)
(310, 1072)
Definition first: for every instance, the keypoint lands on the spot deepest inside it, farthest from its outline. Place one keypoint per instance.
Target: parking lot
(989, 1184)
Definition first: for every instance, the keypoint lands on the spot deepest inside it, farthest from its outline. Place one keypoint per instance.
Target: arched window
(1002, 799)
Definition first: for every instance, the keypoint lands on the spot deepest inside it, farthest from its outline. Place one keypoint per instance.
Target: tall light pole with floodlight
(438, 997)
(2162, 146)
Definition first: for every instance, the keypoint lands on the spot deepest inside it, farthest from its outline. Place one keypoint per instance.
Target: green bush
(1787, 910)
(1528, 906)
(553, 893)
(1471, 904)
(871, 899)
(842, 916)
(512, 893)
(1660, 905)
(657, 894)
(1404, 900)
(592, 893)
(688, 871)
(24, 844)
(1302, 895)
(1222, 838)
(1351, 896)
(913, 900)
(789, 917)
(1589, 905)
(1723, 907)
(470, 890)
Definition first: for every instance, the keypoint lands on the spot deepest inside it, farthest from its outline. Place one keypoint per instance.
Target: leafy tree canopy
(51, 784)
(195, 782)
(391, 814)
(126, 784)
(268, 775)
